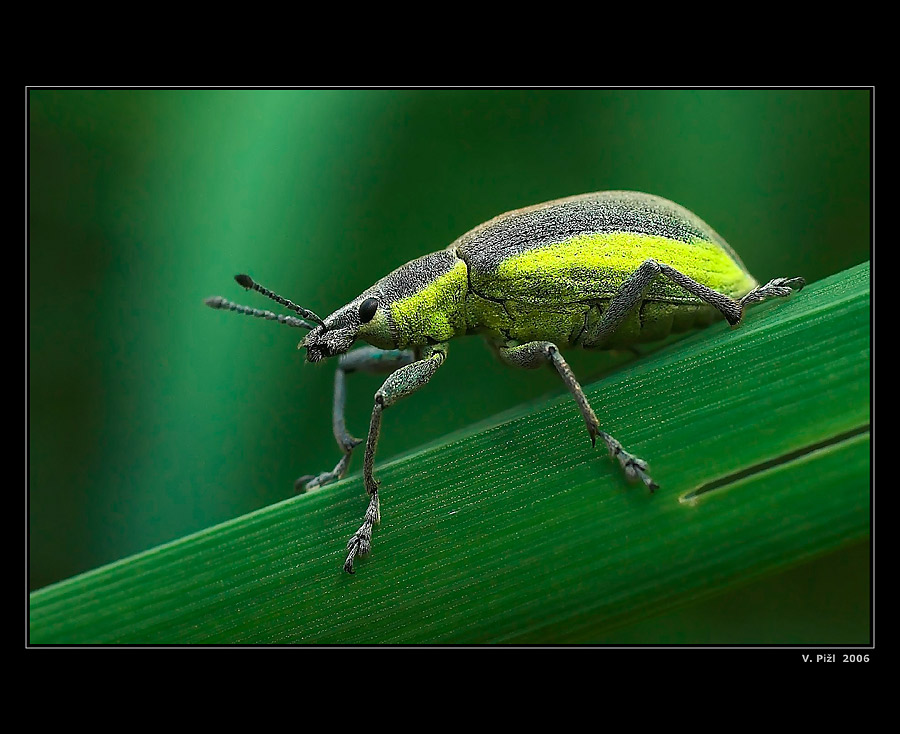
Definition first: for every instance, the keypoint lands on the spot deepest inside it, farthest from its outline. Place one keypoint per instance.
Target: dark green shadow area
(823, 602)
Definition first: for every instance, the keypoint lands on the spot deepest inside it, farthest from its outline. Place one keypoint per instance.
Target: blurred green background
(152, 416)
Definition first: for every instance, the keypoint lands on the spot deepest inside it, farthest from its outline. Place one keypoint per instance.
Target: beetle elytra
(595, 271)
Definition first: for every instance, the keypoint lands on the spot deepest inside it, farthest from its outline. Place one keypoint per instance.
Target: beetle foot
(634, 467)
(359, 545)
(637, 469)
(308, 481)
(775, 288)
(361, 542)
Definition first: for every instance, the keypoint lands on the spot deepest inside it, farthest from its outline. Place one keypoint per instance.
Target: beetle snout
(316, 354)
(316, 349)
(321, 344)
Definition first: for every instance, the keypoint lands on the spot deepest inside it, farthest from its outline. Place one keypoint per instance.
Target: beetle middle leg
(404, 381)
(536, 354)
(365, 359)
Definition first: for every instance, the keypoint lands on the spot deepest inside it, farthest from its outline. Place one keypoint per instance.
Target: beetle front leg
(366, 359)
(536, 354)
(401, 383)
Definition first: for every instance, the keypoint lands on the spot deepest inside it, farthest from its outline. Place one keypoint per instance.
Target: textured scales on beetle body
(597, 271)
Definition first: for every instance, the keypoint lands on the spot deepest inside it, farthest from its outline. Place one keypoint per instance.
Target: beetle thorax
(422, 302)
(427, 299)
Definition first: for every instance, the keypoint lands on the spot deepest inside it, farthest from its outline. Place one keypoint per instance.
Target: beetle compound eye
(367, 310)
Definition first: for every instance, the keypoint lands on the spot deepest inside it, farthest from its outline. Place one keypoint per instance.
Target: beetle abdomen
(583, 248)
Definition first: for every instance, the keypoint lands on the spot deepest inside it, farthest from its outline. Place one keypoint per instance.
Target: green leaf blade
(520, 531)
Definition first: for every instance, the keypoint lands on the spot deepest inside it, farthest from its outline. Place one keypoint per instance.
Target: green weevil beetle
(597, 271)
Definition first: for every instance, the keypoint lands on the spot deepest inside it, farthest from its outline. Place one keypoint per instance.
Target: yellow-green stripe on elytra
(436, 313)
(594, 266)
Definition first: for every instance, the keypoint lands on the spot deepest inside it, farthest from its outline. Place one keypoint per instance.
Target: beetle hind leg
(535, 354)
(631, 293)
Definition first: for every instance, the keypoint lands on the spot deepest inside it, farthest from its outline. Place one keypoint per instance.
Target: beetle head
(412, 306)
(367, 317)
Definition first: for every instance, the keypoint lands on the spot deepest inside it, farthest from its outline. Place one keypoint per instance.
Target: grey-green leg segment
(404, 381)
(632, 290)
(775, 288)
(366, 359)
(536, 354)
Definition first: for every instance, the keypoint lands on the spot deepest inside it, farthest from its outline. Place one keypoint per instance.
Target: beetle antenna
(247, 282)
(222, 303)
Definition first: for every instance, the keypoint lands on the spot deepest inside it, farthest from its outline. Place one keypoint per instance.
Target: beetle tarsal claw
(354, 549)
(633, 467)
(637, 469)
